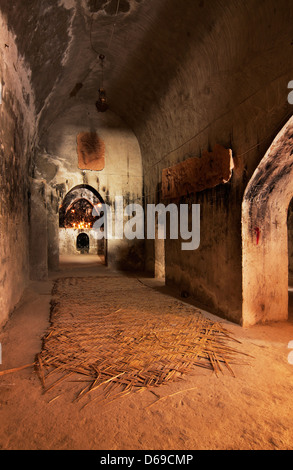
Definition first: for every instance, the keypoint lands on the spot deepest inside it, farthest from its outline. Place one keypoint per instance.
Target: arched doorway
(77, 215)
(264, 234)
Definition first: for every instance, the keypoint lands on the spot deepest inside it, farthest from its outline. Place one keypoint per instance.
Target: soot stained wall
(16, 131)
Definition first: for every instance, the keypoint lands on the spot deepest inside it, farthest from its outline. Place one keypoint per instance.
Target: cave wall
(17, 129)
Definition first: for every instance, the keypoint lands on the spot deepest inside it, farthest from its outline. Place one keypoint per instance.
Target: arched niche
(83, 243)
(264, 234)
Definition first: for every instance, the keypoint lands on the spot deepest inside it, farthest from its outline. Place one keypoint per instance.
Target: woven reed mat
(119, 336)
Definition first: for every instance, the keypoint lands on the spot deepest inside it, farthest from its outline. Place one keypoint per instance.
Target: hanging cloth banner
(197, 174)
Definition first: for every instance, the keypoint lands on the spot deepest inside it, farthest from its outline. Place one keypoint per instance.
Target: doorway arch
(264, 234)
(81, 191)
(86, 196)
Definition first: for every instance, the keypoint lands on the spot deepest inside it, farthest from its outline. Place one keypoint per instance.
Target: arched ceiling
(205, 56)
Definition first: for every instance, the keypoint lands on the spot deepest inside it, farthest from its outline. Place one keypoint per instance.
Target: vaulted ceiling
(204, 55)
(145, 43)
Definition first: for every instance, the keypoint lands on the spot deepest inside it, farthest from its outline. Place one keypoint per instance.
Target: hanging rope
(114, 25)
(91, 35)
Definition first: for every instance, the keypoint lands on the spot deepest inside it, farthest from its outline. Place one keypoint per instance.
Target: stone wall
(68, 242)
(16, 131)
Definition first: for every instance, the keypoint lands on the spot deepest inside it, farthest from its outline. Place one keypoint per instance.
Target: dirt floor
(254, 410)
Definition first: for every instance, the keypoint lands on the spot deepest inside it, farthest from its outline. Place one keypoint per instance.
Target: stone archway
(83, 243)
(264, 234)
(76, 234)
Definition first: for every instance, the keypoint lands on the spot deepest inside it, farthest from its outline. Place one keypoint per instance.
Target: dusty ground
(252, 411)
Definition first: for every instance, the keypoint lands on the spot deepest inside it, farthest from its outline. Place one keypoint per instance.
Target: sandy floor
(252, 411)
